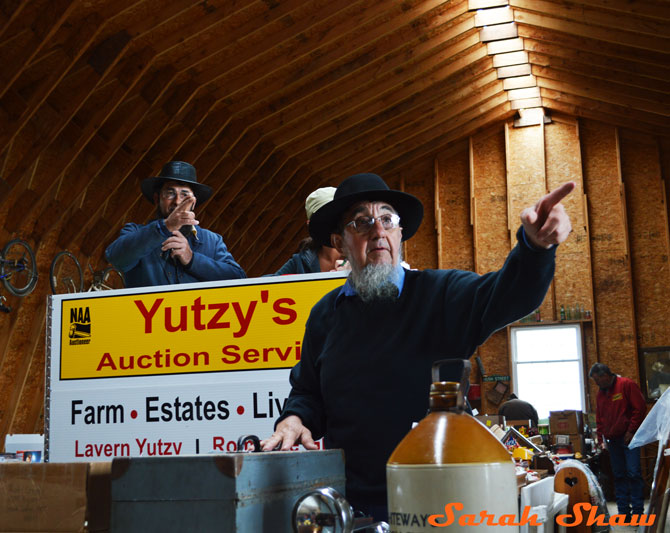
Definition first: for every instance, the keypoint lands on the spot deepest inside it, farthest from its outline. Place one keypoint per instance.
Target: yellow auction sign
(212, 329)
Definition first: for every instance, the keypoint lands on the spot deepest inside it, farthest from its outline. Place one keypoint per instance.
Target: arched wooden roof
(271, 99)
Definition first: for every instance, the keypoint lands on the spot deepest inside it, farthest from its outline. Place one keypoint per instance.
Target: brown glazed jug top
(446, 437)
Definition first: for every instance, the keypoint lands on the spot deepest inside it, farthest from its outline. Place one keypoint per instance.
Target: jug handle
(465, 376)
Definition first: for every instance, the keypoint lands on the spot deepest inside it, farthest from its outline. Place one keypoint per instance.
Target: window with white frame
(547, 367)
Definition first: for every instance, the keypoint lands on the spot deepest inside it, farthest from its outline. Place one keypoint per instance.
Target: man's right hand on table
(288, 433)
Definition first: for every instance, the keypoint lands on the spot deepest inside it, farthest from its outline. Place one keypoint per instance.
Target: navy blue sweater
(365, 370)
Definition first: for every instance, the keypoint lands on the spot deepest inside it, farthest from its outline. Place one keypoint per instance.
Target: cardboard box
(566, 422)
(491, 420)
(576, 441)
(519, 423)
(40, 497)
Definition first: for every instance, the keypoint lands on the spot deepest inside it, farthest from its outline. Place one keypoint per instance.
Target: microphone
(187, 229)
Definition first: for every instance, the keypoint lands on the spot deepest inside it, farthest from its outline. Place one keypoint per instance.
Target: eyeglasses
(171, 194)
(364, 224)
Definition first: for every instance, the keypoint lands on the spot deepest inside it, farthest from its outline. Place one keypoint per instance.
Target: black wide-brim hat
(176, 171)
(359, 188)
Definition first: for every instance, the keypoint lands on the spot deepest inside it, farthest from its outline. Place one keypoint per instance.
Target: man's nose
(377, 229)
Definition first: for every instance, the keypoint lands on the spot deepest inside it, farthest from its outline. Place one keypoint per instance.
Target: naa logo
(80, 325)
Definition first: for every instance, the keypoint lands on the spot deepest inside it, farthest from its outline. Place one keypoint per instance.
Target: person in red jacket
(619, 412)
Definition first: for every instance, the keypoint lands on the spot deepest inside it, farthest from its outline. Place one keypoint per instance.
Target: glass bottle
(562, 312)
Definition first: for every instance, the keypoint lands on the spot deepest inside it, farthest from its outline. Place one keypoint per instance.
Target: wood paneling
(612, 281)
(649, 248)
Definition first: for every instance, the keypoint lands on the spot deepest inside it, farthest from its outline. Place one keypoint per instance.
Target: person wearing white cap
(312, 256)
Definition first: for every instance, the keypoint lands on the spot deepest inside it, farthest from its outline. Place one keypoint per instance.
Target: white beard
(375, 283)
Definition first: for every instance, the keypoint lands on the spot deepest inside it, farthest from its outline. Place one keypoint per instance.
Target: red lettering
(291, 314)
(197, 309)
(214, 321)
(251, 355)
(243, 318)
(148, 314)
(284, 355)
(106, 361)
(217, 443)
(183, 320)
(139, 361)
(229, 350)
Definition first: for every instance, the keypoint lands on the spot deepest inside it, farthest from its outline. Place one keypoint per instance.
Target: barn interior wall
(615, 262)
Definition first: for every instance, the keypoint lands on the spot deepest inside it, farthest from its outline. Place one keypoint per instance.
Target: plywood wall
(615, 262)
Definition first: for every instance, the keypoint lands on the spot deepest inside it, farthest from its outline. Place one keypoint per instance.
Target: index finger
(555, 196)
(186, 205)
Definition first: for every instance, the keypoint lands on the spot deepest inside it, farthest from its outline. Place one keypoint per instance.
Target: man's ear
(337, 242)
(155, 198)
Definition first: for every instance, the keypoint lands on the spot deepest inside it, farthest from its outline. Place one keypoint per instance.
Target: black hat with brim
(180, 172)
(359, 188)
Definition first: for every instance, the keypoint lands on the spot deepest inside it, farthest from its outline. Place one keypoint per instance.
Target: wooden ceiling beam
(359, 99)
(401, 131)
(71, 149)
(269, 226)
(656, 9)
(40, 21)
(447, 128)
(289, 177)
(373, 93)
(581, 106)
(647, 35)
(476, 123)
(582, 14)
(609, 92)
(58, 125)
(171, 26)
(280, 252)
(563, 57)
(265, 184)
(451, 98)
(354, 156)
(270, 263)
(285, 29)
(327, 65)
(397, 114)
(558, 68)
(590, 44)
(58, 68)
(9, 14)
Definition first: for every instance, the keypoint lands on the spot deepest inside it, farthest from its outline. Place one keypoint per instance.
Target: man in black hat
(364, 373)
(172, 248)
